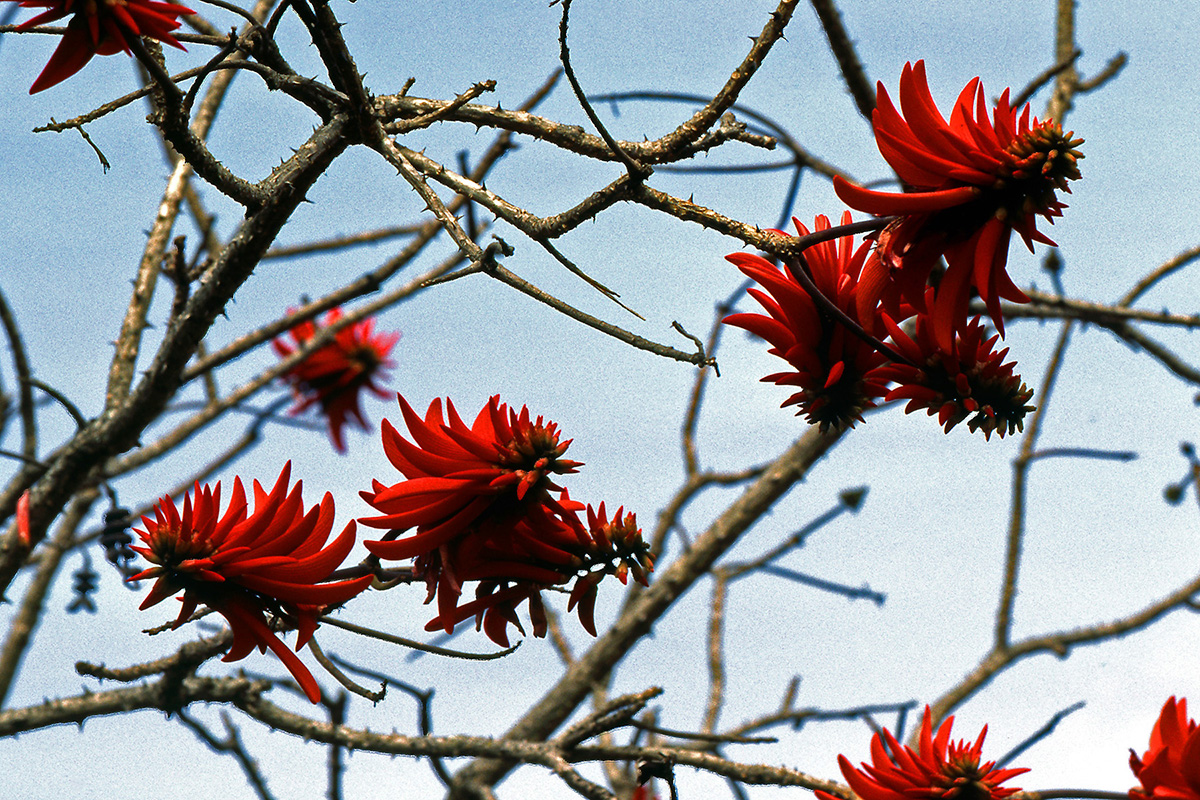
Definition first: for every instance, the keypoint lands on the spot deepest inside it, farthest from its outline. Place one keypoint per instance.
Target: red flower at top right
(973, 181)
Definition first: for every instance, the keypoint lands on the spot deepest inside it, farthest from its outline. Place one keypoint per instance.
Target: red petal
(73, 52)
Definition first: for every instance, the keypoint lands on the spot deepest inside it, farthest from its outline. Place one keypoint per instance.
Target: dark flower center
(1036, 164)
(1039, 162)
(1047, 155)
(964, 779)
(965, 788)
(172, 547)
(838, 406)
(987, 389)
(361, 364)
(365, 358)
(1003, 403)
(535, 449)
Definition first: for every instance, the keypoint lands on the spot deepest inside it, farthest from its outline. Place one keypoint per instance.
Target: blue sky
(1101, 542)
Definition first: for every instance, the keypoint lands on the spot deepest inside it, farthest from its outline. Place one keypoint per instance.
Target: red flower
(333, 376)
(480, 501)
(245, 566)
(99, 27)
(1170, 769)
(835, 371)
(23, 533)
(969, 378)
(975, 181)
(941, 770)
(644, 791)
(551, 556)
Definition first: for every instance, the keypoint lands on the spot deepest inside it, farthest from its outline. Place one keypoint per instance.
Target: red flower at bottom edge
(99, 27)
(1170, 769)
(245, 566)
(940, 770)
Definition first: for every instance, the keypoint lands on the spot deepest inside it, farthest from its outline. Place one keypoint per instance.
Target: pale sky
(1101, 542)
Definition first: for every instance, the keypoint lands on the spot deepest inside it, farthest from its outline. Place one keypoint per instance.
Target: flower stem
(798, 267)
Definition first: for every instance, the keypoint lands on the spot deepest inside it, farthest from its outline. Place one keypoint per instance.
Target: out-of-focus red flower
(968, 379)
(99, 27)
(975, 180)
(245, 566)
(23, 532)
(480, 500)
(1170, 769)
(644, 791)
(333, 376)
(835, 371)
(940, 770)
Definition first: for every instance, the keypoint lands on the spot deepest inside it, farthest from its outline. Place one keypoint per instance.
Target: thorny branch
(247, 695)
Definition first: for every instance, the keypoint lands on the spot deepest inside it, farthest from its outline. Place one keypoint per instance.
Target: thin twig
(716, 655)
(425, 120)
(607, 328)
(1158, 274)
(231, 744)
(1048, 306)
(1021, 465)
(1111, 70)
(637, 172)
(342, 677)
(415, 645)
(843, 50)
(1044, 77)
(1039, 734)
(29, 613)
(340, 242)
(20, 357)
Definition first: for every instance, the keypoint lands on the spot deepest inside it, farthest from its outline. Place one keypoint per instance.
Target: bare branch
(523, 286)
(843, 50)
(637, 172)
(647, 606)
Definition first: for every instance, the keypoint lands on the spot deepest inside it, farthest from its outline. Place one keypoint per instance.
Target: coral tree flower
(975, 180)
(245, 566)
(644, 791)
(333, 376)
(23, 533)
(1170, 769)
(480, 503)
(835, 371)
(968, 379)
(99, 27)
(939, 770)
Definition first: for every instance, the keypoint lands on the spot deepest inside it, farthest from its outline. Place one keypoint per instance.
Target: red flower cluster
(837, 373)
(840, 375)
(245, 566)
(333, 376)
(99, 27)
(1170, 769)
(644, 791)
(968, 379)
(480, 500)
(975, 180)
(940, 770)
(24, 535)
